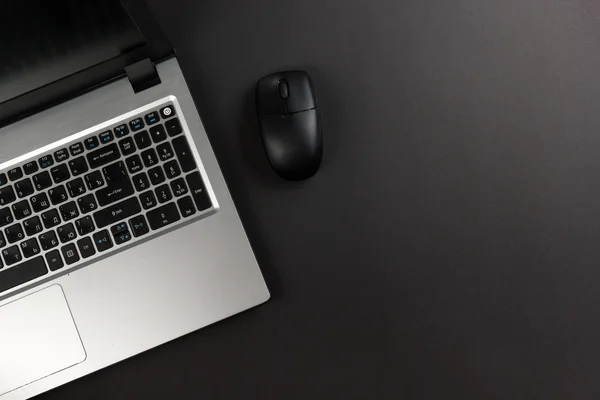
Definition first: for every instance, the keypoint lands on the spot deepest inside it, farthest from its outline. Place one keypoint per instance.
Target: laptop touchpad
(38, 338)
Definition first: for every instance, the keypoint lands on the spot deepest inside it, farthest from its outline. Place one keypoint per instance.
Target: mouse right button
(301, 92)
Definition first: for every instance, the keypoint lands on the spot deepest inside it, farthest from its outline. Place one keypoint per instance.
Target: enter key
(119, 185)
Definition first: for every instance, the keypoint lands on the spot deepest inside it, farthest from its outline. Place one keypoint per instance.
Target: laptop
(117, 230)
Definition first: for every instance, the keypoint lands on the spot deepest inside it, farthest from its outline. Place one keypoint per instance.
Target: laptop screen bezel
(157, 48)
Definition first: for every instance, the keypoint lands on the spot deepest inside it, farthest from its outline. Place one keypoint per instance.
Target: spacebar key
(117, 212)
(22, 273)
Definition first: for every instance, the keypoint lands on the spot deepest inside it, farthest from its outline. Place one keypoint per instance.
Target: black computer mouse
(290, 124)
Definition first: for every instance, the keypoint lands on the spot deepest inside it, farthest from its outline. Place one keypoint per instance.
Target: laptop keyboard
(96, 195)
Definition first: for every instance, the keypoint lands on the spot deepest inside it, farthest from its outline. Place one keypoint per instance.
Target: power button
(167, 112)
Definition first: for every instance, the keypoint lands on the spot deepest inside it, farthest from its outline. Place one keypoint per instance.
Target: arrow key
(139, 227)
(102, 240)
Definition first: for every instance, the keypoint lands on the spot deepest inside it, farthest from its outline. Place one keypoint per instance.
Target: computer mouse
(290, 124)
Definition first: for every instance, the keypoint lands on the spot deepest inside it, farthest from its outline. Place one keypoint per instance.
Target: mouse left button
(269, 102)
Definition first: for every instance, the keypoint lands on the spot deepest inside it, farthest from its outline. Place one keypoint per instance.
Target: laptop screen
(44, 41)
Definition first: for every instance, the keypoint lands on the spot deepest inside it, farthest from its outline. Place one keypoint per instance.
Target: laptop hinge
(142, 75)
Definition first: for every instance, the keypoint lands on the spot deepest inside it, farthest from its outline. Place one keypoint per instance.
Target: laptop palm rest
(38, 338)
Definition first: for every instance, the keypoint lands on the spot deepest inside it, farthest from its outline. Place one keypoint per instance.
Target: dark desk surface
(450, 246)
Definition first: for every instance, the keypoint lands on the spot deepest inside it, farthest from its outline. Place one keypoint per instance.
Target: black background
(449, 246)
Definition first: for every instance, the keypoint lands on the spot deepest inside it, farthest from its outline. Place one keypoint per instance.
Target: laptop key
(40, 202)
(150, 158)
(173, 127)
(24, 188)
(121, 130)
(69, 211)
(139, 226)
(198, 190)
(54, 261)
(115, 173)
(66, 233)
(15, 173)
(184, 154)
(118, 185)
(158, 133)
(136, 124)
(3, 179)
(22, 273)
(122, 227)
(48, 240)
(5, 216)
(122, 237)
(76, 149)
(94, 180)
(78, 166)
(141, 182)
(127, 146)
(2, 242)
(42, 180)
(157, 176)
(106, 137)
(58, 195)
(91, 143)
(30, 248)
(167, 111)
(102, 240)
(46, 161)
(11, 255)
(85, 225)
(33, 226)
(178, 187)
(163, 194)
(163, 216)
(76, 187)
(134, 164)
(50, 218)
(103, 156)
(115, 192)
(60, 173)
(14, 233)
(70, 254)
(148, 199)
(172, 169)
(86, 247)
(142, 140)
(117, 212)
(165, 151)
(61, 155)
(7, 195)
(186, 206)
(152, 118)
(30, 167)
(87, 203)
(21, 209)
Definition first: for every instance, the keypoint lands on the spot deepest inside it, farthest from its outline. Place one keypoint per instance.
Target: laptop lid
(55, 50)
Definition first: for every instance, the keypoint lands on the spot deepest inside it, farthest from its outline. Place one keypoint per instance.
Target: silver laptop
(117, 230)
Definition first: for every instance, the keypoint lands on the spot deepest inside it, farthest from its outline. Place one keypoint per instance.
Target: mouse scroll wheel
(284, 89)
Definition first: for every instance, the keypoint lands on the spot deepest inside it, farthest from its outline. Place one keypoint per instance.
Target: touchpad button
(38, 338)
